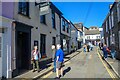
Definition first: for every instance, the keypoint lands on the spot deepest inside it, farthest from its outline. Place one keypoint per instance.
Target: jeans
(37, 64)
(91, 48)
(105, 54)
(113, 54)
(54, 65)
(84, 49)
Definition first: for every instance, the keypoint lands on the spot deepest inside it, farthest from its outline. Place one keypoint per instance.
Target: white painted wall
(6, 56)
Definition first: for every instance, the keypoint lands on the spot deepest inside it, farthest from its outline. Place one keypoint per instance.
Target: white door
(0, 54)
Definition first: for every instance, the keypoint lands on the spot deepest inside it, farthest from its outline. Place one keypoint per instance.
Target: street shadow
(66, 70)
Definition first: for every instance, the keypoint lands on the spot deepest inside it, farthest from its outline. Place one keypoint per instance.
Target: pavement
(114, 64)
(30, 75)
(84, 65)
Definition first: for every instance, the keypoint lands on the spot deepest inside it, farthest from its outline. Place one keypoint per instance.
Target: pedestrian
(88, 47)
(91, 47)
(35, 58)
(84, 48)
(54, 57)
(113, 51)
(105, 53)
(59, 61)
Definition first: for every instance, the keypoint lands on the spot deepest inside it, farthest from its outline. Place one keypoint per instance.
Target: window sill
(24, 15)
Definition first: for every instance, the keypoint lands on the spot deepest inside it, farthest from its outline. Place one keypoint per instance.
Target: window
(43, 44)
(63, 25)
(0, 46)
(53, 19)
(88, 37)
(24, 8)
(113, 38)
(107, 41)
(106, 26)
(112, 17)
(67, 26)
(109, 23)
(42, 19)
(118, 11)
(54, 41)
(97, 37)
(110, 38)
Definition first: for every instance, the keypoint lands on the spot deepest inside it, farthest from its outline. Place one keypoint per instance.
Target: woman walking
(35, 58)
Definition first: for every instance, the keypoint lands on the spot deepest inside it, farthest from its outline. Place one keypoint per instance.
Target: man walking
(59, 61)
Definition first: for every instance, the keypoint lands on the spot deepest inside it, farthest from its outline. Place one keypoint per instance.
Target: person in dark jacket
(54, 57)
(88, 47)
(105, 53)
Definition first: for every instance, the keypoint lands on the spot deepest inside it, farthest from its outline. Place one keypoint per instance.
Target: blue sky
(89, 13)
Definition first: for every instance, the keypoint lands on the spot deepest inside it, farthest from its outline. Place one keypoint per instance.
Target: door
(43, 45)
(22, 51)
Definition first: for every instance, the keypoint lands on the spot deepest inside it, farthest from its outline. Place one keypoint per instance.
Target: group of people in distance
(88, 47)
(108, 50)
(58, 59)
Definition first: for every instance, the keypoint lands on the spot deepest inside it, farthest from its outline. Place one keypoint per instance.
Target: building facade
(65, 33)
(23, 27)
(111, 27)
(92, 35)
(74, 37)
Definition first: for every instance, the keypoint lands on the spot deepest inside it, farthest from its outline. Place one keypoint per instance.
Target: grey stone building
(111, 27)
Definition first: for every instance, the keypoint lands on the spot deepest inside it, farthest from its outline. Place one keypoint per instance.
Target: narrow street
(85, 65)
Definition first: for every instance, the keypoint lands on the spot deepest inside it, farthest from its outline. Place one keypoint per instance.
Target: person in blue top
(59, 60)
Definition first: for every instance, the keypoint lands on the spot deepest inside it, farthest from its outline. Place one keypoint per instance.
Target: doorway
(22, 52)
(43, 45)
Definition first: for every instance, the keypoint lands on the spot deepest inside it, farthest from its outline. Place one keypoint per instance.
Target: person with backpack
(35, 59)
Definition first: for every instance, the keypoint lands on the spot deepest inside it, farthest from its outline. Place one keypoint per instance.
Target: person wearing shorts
(59, 61)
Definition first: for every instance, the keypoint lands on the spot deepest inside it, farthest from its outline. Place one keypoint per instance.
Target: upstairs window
(53, 19)
(112, 18)
(106, 26)
(118, 11)
(63, 25)
(42, 19)
(23, 8)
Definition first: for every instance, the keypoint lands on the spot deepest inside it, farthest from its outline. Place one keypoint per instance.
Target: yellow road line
(47, 75)
(110, 73)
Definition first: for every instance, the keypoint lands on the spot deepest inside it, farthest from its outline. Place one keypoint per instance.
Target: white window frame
(106, 26)
(107, 40)
(118, 11)
(109, 22)
(110, 38)
(113, 38)
(112, 18)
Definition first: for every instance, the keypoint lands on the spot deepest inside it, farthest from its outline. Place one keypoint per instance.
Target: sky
(89, 13)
